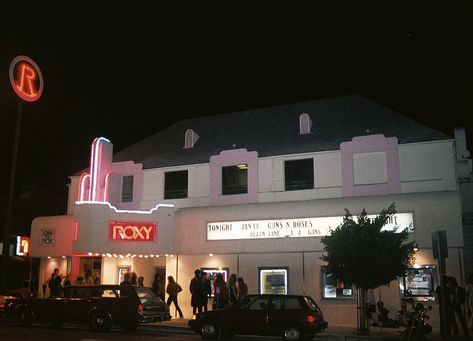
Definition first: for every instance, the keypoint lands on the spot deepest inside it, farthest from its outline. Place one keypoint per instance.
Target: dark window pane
(293, 303)
(299, 174)
(235, 179)
(175, 185)
(333, 287)
(127, 188)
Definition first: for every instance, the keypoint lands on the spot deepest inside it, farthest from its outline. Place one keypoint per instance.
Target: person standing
(134, 278)
(55, 286)
(242, 288)
(173, 289)
(458, 299)
(126, 279)
(88, 279)
(221, 294)
(141, 280)
(207, 286)
(197, 291)
(232, 289)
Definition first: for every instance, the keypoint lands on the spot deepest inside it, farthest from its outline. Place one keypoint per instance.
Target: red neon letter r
(30, 74)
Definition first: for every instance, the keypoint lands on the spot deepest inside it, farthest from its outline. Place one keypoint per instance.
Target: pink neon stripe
(107, 186)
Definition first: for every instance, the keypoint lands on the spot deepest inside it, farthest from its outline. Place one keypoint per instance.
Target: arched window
(305, 123)
(191, 138)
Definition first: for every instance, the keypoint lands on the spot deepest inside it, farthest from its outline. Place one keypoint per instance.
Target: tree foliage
(360, 253)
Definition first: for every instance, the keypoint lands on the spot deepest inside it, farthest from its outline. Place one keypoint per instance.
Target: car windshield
(310, 302)
(147, 297)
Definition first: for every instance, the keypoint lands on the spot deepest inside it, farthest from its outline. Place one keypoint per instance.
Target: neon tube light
(107, 186)
(30, 74)
(82, 180)
(94, 165)
(124, 211)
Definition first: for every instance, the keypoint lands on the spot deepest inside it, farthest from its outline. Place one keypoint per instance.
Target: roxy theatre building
(252, 193)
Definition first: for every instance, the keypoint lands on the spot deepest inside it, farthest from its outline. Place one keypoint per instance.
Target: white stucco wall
(428, 166)
(93, 230)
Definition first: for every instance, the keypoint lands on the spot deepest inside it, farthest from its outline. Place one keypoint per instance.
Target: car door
(276, 317)
(251, 318)
(78, 304)
(47, 309)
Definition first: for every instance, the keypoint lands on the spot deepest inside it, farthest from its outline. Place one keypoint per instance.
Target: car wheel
(25, 317)
(210, 330)
(101, 321)
(292, 334)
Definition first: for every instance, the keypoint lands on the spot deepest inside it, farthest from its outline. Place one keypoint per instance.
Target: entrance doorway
(159, 282)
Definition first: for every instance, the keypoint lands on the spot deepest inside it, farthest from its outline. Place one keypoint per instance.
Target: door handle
(267, 318)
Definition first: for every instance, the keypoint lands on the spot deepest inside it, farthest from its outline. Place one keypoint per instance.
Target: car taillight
(140, 308)
(310, 319)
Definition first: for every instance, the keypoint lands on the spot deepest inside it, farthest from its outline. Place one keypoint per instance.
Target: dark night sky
(127, 71)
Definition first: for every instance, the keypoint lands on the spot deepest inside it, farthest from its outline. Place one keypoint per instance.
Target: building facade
(252, 193)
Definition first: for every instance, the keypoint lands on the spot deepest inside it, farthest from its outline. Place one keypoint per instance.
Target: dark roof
(275, 131)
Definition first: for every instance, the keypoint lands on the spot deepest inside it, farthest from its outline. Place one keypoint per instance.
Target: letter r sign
(26, 78)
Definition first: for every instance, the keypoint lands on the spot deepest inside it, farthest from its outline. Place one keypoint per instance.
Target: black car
(100, 306)
(294, 317)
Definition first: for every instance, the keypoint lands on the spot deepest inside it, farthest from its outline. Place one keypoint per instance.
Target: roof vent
(305, 123)
(191, 138)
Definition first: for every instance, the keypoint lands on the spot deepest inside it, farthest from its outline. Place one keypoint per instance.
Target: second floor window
(175, 185)
(235, 179)
(299, 174)
(127, 188)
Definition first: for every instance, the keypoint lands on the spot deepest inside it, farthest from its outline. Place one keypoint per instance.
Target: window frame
(262, 270)
(289, 185)
(323, 284)
(185, 195)
(404, 287)
(223, 188)
(125, 196)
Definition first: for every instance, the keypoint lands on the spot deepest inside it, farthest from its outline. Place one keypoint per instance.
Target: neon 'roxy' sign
(292, 228)
(127, 231)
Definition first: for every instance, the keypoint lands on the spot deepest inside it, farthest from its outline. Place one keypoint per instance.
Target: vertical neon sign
(95, 163)
(92, 180)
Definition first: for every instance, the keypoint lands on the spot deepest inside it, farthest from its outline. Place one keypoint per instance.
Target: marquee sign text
(293, 228)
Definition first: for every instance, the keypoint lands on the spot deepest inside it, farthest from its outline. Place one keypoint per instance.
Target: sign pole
(27, 82)
(11, 194)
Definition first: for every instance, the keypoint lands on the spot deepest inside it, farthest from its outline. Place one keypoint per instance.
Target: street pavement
(338, 332)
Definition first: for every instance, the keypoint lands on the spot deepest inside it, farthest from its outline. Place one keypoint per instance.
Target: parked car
(100, 306)
(3, 299)
(294, 317)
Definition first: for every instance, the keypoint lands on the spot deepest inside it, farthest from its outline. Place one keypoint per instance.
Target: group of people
(452, 298)
(56, 282)
(200, 288)
(228, 293)
(131, 278)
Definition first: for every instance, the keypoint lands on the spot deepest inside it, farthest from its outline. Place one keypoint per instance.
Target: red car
(294, 317)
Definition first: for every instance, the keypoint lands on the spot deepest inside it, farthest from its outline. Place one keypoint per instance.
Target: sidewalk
(338, 332)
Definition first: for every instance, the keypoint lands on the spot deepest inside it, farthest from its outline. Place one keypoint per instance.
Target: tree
(361, 253)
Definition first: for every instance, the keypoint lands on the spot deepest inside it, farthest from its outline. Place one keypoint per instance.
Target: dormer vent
(191, 139)
(305, 124)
